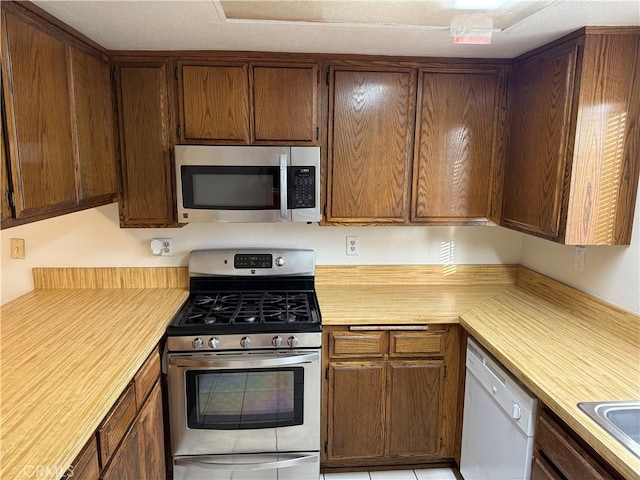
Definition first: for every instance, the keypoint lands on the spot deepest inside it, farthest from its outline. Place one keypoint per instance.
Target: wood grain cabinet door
(95, 126)
(371, 120)
(145, 142)
(413, 414)
(126, 464)
(38, 114)
(285, 104)
(461, 120)
(536, 180)
(5, 202)
(356, 410)
(214, 103)
(151, 448)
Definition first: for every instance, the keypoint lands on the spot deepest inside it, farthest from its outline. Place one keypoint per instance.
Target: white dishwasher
(498, 421)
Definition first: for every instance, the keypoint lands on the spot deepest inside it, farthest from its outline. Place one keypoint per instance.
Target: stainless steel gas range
(243, 367)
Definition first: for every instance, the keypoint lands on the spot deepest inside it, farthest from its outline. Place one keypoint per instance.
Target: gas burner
(287, 317)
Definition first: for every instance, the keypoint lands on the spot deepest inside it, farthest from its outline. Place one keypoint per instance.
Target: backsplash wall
(92, 238)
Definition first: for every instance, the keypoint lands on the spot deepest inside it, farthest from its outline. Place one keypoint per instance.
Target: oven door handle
(283, 187)
(216, 462)
(241, 361)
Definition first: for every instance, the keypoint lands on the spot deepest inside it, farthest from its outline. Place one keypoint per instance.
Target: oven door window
(244, 399)
(231, 188)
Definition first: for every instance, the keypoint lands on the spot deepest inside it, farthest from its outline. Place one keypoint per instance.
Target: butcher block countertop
(67, 355)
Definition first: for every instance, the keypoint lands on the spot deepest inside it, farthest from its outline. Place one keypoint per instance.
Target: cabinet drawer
(146, 377)
(351, 344)
(407, 344)
(116, 424)
(541, 470)
(573, 461)
(85, 466)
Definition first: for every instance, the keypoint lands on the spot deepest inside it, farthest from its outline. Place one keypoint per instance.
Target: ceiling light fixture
(475, 29)
(480, 4)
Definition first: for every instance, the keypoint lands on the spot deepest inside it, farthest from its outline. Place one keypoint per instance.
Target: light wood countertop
(66, 356)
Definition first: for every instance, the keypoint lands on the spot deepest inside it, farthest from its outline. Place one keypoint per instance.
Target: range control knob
(276, 341)
(279, 261)
(197, 343)
(516, 412)
(245, 342)
(292, 342)
(214, 342)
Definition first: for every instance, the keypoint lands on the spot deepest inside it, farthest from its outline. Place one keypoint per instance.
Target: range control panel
(303, 187)
(249, 260)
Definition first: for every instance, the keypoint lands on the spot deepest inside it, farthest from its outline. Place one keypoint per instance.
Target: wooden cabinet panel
(413, 416)
(147, 169)
(215, 103)
(458, 126)
(407, 344)
(85, 466)
(36, 90)
(535, 177)
(542, 470)
(349, 344)
(370, 145)
(285, 103)
(116, 424)
(146, 377)
(126, 464)
(357, 403)
(5, 204)
(95, 126)
(151, 438)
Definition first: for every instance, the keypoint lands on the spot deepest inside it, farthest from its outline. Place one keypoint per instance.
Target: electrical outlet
(579, 257)
(353, 245)
(162, 247)
(17, 248)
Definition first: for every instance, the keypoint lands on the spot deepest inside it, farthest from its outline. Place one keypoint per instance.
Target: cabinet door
(285, 104)
(370, 145)
(5, 204)
(539, 145)
(38, 114)
(414, 401)
(150, 425)
(94, 125)
(458, 125)
(126, 463)
(147, 170)
(356, 410)
(214, 103)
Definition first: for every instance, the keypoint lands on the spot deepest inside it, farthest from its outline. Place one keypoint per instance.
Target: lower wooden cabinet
(560, 454)
(390, 396)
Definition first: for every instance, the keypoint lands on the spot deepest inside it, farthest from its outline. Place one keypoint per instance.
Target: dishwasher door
(498, 421)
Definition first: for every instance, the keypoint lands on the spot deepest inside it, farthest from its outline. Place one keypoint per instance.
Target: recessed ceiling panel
(425, 13)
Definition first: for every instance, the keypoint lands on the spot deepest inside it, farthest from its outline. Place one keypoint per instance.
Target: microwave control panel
(303, 187)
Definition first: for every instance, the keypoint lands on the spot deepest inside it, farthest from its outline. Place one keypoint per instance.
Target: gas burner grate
(248, 308)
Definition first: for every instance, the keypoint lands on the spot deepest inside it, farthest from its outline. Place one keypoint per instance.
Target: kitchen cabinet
(59, 118)
(572, 168)
(560, 454)
(371, 119)
(460, 129)
(390, 395)
(5, 200)
(248, 103)
(147, 193)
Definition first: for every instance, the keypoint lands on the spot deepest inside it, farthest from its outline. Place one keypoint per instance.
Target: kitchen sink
(620, 419)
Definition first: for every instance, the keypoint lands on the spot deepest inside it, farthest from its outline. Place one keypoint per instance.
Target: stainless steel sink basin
(620, 419)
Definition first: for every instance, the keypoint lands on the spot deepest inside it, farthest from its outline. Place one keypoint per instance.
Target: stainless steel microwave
(247, 184)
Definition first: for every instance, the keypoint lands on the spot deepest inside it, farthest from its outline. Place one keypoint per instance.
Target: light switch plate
(17, 248)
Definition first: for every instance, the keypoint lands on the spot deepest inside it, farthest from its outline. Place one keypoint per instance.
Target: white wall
(93, 238)
(611, 273)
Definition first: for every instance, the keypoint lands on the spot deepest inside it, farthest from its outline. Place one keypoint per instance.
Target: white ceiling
(202, 25)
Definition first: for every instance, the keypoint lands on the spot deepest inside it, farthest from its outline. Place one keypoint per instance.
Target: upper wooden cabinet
(146, 142)
(5, 200)
(459, 145)
(248, 103)
(371, 120)
(59, 118)
(573, 161)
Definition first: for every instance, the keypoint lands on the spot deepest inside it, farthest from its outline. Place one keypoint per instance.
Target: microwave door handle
(283, 186)
(216, 462)
(243, 361)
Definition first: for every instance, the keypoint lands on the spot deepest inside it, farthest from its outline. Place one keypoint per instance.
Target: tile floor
(427, 474)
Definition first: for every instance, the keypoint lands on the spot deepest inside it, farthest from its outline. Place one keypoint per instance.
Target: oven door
(230, 403)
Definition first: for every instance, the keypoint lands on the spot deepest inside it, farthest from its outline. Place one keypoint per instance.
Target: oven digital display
(251, 260)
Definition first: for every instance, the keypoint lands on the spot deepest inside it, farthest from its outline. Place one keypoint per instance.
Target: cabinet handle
(384, 328)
